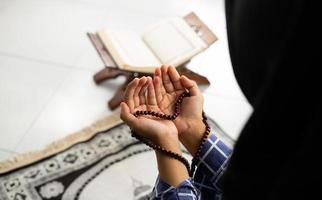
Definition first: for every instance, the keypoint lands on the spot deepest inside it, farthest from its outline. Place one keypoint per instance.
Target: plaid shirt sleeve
(184, 191)
(206, 182)
(210, 168)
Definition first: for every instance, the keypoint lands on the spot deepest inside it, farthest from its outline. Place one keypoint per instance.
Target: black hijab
(274, 47)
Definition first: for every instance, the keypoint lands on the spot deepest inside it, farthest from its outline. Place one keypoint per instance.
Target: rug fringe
(59, 145)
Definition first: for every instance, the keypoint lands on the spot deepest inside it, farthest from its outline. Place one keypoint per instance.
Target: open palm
(168, 86)
(166, 93)
(140, 96)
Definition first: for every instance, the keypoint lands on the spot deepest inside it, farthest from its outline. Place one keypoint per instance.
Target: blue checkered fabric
(206, 183)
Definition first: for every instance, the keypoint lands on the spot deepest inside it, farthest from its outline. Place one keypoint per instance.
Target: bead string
(173, 117)
(169, 153)
(196, 157)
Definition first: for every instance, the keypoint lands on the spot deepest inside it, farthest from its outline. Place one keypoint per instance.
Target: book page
(173, 41)
(128, 49)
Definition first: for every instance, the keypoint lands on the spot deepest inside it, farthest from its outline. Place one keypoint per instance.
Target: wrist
(169, 142)
(192, 137)
(171, 170)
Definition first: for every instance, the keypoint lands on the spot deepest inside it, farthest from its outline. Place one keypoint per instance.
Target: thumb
(127, 116)
(190, 85)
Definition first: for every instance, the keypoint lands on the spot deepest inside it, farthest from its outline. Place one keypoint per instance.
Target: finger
(151, 98)
(175, 78)
(166, 79)
(158, 88)
(126, 115)
(129, 92)
(142, 93)
(157, 72)
(136, 97)
(190, 85)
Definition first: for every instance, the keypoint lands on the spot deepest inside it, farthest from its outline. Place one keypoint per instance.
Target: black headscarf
(274, 47)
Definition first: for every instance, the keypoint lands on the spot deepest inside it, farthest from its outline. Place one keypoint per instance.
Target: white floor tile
(156, 7)
(48, 30)
(77, 104)
(4, 4)
(25, 89)
(230, 114)
(56, 30)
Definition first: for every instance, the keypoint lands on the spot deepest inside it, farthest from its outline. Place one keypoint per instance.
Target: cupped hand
(140, 95)
(168, 86)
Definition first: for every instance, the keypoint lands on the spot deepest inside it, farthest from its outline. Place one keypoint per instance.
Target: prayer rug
(100, 162)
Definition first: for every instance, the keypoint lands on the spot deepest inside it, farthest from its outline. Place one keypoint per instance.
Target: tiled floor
(47, 63)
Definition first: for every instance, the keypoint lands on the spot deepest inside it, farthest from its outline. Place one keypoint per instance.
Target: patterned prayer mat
(100, 162)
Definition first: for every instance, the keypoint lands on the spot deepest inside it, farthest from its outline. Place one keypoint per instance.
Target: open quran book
(172, 41)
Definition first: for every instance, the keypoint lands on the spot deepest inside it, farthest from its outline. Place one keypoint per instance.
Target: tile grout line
(36, 117)
(69, 68)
